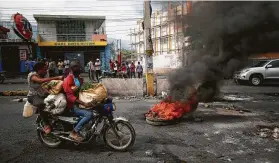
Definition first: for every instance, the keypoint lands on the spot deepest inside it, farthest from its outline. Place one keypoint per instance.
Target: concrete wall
(89, 30)
(132, 87)
(124, 87)
(47, 30)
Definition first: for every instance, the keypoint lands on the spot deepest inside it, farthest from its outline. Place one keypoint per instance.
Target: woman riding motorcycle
(36, 93)
(70, 85)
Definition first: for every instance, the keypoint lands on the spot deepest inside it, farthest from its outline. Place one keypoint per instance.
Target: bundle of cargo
(53, 87)
(95, 93)
(55, 104)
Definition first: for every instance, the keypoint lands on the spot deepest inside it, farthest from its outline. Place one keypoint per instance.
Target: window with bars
(70, 30)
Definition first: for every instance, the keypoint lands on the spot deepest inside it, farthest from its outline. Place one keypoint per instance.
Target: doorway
(76, 56)
(10, 59)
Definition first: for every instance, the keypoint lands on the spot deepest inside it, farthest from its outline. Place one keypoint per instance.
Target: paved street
(224, 136)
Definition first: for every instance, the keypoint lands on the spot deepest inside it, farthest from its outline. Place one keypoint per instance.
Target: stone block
(124, 87)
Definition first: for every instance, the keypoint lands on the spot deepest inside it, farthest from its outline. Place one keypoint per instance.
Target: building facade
(167, 36)
(13, 50)
(74, 37)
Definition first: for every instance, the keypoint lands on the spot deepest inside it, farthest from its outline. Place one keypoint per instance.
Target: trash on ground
(268, 132)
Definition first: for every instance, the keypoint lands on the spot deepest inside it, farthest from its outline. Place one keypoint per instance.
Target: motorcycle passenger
(70, 85)
(36, 93)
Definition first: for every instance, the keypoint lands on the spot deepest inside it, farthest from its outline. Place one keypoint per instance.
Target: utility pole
(116, 50)
(148, 49)
(120, 57)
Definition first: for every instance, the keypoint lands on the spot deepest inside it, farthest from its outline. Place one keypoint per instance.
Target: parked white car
(264, 70)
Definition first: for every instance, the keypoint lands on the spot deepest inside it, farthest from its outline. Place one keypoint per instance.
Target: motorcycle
(102, 125)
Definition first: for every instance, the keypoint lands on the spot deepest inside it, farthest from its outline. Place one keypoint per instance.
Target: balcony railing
(71, 38)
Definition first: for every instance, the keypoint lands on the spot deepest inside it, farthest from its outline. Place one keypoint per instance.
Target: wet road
(224, 135)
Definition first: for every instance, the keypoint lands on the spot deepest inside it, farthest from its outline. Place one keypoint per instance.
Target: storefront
(13, 56)
(83, 54)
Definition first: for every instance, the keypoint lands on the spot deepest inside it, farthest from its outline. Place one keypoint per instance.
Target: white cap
(97, 59)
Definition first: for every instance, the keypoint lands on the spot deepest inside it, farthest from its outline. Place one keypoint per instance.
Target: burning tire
(160, 122)
(169, 112)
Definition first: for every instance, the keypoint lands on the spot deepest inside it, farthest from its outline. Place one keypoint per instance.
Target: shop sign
(91, 43)
(74, 44)
(22, 27)
(22, 55)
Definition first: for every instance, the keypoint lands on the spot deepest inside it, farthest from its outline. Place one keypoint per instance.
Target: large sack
(54, 87)
(28, 110)
(96, 94)
(55, 104)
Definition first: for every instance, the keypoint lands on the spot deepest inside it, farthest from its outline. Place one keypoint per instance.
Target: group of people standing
(126, 69)
(94, 69)
(60, 68)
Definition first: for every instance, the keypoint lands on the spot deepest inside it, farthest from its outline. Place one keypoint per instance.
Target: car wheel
(256, 80)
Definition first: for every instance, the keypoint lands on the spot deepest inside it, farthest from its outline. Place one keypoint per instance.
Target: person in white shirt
(98, 68)
(66, 66)
(66, 63)
(91, 69)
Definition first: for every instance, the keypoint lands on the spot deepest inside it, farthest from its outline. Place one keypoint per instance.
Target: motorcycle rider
(36, 93)
(70, 85)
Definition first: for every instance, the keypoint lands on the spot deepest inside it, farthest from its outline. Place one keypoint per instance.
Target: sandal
(76, 137)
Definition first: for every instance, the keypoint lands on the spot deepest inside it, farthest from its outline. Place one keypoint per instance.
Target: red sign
(22, 27)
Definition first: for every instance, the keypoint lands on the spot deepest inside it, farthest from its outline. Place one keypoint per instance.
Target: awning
(4, 29)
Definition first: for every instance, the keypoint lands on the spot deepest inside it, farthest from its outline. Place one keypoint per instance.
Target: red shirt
(70, 94)
(124, 68)
(111, 66)
(133, 68)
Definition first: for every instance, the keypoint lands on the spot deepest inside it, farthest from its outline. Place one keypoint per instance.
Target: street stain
(168, 157)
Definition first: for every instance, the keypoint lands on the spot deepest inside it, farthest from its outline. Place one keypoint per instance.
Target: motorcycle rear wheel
(121, 146)
(50, 140)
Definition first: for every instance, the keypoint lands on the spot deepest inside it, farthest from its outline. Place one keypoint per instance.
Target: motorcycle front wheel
(50, 140)
(126, 133)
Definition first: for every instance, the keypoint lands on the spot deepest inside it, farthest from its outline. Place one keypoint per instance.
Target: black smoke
(222, 36)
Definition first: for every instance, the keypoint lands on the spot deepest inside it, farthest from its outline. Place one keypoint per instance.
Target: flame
(170, 110)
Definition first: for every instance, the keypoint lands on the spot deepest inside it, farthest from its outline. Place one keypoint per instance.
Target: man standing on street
(98, 68)
(51, 68)
(91, 70)
(60, 67)
(133, 70)
(139, 70)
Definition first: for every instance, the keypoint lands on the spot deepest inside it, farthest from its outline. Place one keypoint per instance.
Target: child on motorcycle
(70, 86)
(36, 93)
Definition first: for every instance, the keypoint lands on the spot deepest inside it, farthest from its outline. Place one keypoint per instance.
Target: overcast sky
(120, 15)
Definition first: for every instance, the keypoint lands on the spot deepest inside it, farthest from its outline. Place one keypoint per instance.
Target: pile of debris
(14, 93)
(269, 132)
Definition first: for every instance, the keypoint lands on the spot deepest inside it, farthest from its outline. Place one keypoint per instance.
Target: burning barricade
(170, 110)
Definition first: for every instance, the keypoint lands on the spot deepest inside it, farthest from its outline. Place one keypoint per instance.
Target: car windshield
(260, 64)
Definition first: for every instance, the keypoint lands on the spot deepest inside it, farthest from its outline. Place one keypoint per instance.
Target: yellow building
(75, 37)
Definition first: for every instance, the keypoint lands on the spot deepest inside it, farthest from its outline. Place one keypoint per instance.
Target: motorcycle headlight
(113, 106)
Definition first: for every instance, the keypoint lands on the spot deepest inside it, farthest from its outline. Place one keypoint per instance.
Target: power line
(68, 2)
(73, 9)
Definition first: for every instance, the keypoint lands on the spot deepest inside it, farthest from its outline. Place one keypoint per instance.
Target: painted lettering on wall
(74, 44)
